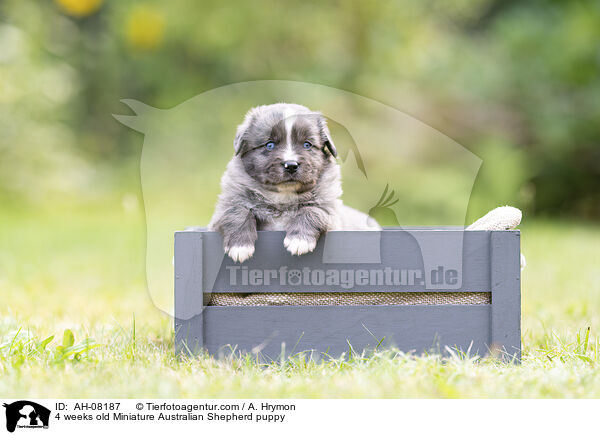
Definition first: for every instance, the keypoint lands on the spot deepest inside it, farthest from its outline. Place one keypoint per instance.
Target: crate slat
(331, 329)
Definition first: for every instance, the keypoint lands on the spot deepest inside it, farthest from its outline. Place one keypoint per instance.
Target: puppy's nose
(290, 165)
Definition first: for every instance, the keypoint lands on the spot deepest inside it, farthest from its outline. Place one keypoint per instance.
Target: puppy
(282, 177)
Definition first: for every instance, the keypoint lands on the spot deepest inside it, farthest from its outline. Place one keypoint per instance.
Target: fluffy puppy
(282, 177)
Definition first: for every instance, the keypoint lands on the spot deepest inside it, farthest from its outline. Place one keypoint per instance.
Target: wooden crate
(418, 260)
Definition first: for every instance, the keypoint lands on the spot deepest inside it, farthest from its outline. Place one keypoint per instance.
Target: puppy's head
(285, 147)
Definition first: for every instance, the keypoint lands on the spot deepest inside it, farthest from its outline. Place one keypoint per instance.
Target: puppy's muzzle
(291, 166)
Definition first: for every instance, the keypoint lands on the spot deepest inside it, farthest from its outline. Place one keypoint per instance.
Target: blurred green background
(517, 83)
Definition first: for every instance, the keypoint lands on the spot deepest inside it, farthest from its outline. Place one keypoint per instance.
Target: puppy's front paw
(240, 253)
(298, 245)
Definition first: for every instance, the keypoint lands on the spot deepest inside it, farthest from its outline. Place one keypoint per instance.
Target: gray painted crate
(423, 260)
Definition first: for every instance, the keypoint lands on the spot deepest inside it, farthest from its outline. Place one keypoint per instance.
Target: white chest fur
(281, 222)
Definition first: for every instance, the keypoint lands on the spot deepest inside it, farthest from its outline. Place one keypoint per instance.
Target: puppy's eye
(307, 145)
(269, 145)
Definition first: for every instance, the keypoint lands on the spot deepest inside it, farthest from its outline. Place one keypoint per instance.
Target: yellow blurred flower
(79, 8)
(145, 28)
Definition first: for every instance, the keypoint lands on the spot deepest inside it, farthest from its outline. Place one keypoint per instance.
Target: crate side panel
(188, 298)
(506, 292)
(189, 271)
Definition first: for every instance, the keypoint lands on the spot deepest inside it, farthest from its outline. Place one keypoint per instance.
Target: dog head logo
(26, 414)
(182, 163)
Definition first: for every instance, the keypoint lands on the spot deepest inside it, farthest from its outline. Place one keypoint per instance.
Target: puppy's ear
(239, 142)
(326, 136)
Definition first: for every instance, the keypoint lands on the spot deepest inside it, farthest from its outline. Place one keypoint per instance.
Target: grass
(76, 321)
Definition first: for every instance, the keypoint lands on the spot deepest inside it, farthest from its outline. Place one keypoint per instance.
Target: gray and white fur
(282, 177)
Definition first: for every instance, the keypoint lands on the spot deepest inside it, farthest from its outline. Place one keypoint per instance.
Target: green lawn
(84, 272)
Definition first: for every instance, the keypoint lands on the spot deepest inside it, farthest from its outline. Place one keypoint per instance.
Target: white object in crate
(501, 218)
